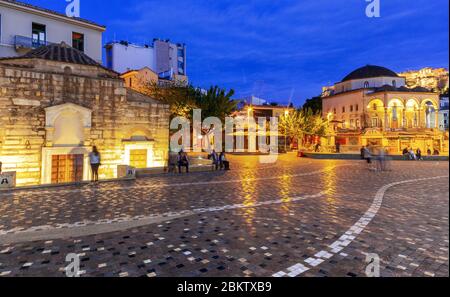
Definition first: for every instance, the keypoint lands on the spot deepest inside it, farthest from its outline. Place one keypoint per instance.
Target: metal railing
(29, 43)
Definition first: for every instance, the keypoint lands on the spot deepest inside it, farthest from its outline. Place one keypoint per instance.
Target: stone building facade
(56, 103)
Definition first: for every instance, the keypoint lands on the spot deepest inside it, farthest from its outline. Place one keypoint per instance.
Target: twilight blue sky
(283, 49)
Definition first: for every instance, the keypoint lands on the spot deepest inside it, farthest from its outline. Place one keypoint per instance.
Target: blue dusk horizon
(283, 51)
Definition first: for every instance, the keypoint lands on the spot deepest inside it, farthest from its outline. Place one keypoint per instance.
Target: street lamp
(286, 114)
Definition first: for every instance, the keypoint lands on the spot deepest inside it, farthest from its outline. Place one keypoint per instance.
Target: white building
(24, 27)
(163, 57)
(444, 114)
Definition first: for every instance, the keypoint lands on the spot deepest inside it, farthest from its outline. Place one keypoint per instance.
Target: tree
(303, 122)
(216, 102)
(180, 97)
(315, 104)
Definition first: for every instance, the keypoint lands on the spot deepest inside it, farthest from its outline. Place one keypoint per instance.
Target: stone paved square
(296, 217)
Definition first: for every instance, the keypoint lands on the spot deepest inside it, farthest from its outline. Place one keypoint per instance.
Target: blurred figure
(419, 154)
(362, 152)
(382, 160)
(412, 155)
(405, 153)
(317, 148)
(368, 156)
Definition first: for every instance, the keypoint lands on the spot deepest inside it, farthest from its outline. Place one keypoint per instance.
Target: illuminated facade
(250, 116)
(435, 79)
(373, 106)
(56, 103)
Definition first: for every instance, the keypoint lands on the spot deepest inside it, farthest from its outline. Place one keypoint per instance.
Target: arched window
(366, 85)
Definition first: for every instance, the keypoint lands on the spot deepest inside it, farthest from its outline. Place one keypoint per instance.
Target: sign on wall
(7, 180)
(125, 171)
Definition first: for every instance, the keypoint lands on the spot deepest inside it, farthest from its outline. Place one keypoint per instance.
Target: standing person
(367, 156)
(338, 148)
(362, 152)
(419, 154)
(95, 159)
(183, 161)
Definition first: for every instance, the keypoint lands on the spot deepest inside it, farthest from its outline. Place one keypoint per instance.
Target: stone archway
(65, 157)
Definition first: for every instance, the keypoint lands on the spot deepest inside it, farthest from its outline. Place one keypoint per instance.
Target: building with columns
(372, 105)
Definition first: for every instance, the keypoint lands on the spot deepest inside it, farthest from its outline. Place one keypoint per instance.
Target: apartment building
(165, 58)
(24, 27)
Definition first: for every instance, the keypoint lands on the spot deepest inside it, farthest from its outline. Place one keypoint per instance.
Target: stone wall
(27, 87)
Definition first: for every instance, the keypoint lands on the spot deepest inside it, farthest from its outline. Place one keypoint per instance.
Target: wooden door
(67, 168)
(138, 158)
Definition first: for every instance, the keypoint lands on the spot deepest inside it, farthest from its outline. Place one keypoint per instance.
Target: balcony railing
(28, 43)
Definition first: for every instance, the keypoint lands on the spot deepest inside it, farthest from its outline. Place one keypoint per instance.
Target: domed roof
(370, 71)
(61, 52)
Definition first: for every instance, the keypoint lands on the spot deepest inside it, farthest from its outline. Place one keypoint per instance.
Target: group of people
(218, 160)
(410, 154)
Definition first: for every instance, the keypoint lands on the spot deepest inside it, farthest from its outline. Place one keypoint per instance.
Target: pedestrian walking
(95, 160)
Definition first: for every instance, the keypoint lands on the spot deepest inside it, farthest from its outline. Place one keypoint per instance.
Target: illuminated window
(39, 35)
(78, 41)
(375, 122)
(374, 106)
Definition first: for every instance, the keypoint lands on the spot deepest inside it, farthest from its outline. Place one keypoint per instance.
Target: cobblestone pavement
(297, 217)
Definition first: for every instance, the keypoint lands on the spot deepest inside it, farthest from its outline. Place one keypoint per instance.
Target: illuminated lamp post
(286, 114)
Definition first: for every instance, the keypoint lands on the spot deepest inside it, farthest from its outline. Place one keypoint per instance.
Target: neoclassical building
(373, 106)
(56, 103)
